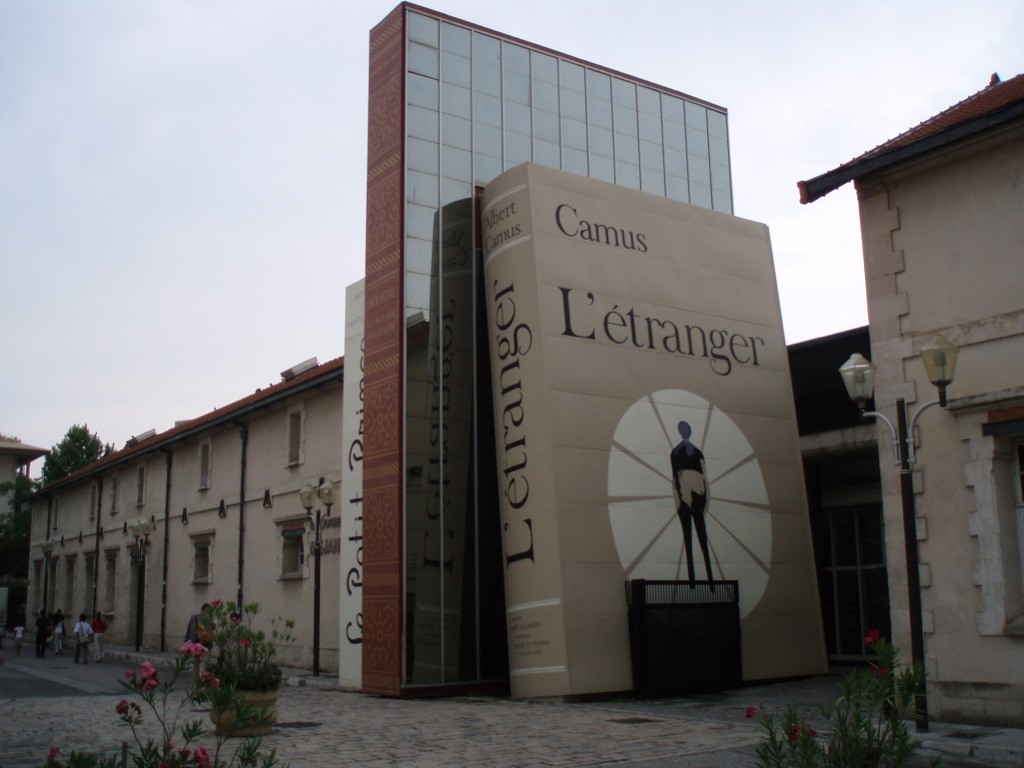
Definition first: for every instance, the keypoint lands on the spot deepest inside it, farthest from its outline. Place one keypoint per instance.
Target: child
(19, 638)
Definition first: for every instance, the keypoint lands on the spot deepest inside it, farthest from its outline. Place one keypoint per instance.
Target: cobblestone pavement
(320, 725)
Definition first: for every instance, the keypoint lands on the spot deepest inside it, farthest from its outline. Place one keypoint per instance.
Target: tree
(15, 527)
(78, 449)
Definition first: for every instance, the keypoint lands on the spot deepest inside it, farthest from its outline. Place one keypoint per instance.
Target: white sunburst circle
(647, 532)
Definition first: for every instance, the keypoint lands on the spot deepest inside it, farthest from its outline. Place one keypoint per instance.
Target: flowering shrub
(242, 655)
(867, 727)
(174, 748)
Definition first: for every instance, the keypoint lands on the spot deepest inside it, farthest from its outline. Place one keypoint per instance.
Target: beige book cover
(645, 426)
(350, 506)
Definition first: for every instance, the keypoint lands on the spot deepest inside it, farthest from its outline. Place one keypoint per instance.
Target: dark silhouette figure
(42, 634)
(690, 490)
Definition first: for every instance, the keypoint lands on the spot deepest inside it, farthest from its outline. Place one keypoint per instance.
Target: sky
(182, 182)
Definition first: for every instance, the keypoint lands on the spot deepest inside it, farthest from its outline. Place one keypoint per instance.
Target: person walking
(57, 632)
(83, 634)
(19, 639)
(99, 629)
(42, 634)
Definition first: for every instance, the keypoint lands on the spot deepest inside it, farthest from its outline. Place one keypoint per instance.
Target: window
(114, 488)
(37, 584)
(140, 499)
(292, 550)
(205, 457)
(854, 579)
(296, 438)
(110, 581)
(90, 576)
(51, 587)
(202, 547)
(70, 563)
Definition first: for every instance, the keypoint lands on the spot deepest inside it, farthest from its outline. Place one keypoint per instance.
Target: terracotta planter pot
(265, 700)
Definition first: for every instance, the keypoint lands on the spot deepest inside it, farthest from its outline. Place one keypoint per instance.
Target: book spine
(538, 662)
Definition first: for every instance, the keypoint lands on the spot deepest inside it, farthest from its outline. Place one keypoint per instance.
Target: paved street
(54, 702)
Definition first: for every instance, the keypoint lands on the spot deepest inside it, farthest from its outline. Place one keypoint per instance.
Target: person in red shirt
(99, 628)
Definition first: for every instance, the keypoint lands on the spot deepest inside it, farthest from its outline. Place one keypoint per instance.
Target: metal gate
(684, 636)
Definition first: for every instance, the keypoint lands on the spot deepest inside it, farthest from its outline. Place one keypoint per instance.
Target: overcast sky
(182, 183)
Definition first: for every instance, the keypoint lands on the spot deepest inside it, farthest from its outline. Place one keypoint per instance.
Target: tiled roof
(23, 451)
(273, 392)
(991, 101)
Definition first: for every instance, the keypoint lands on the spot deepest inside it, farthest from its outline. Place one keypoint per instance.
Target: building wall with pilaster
(942, 252)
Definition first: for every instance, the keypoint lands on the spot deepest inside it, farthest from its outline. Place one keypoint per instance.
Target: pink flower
(129, 674)
(246, 643)
(872, 637)
(194, 649)
(150, 684)
(751, 712)
(202, 758)
(148, 671)
(210, 679)
(122, 707)
(216, 603)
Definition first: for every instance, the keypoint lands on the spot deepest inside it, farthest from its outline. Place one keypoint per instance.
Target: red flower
(202, 758)
(246, 643)
(122, 707)
(216, 603)
(795, 733)
(51, 757)
(751, 712)
(872, 637)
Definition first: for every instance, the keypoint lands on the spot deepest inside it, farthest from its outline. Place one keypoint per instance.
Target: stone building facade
(942, 223)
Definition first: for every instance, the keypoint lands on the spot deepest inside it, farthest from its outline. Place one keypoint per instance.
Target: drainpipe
(243, 433)
(168, 461)
(96, 553)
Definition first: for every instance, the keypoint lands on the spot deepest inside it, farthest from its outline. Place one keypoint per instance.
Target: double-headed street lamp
(939, 357)
(141, 529)
(308, 497)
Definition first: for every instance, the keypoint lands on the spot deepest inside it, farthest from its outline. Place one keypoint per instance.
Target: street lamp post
(141, 529)
(308, 497)
(47, 548)
(939, 357)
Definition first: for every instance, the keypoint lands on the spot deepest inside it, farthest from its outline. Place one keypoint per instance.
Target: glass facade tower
(452, 106)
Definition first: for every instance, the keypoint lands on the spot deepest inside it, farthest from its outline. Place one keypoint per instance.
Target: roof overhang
(819, 186)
